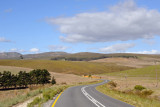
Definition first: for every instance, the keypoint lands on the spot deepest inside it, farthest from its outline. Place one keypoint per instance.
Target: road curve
(87, 96)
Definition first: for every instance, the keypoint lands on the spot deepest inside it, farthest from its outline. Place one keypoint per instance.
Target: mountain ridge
(81, 56)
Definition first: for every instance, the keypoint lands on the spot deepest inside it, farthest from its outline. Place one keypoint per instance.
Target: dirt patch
(69, 78)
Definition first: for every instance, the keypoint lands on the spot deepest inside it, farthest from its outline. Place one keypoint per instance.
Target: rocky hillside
(10, 55)
(46, 55)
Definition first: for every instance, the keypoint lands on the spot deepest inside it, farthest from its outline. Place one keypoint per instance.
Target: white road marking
(97, 103)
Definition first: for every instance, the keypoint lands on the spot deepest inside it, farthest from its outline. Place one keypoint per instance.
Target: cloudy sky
(105, 26)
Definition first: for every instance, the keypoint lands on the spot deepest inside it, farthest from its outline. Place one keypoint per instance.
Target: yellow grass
(129, 98)
(142, 76)
(78, 68)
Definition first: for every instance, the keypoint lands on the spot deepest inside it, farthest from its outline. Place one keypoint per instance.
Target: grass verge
(19, 98)
(48, 94)
(129, 98)
(51, 92)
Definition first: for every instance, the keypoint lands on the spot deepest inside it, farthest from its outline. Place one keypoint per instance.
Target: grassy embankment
(13, 97)
(129, 98)
(126, 80)
(78, 68)
(51, 92)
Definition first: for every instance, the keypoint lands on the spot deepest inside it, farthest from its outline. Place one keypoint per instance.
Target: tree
(14, 80)
(53, 80)
(39, 76)
(23, 79)
(6, 79)
(44, 77)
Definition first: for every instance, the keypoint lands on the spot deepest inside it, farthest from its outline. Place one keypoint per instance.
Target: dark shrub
(147, 92)
(53, 80)
(139, 87)
(112, 84)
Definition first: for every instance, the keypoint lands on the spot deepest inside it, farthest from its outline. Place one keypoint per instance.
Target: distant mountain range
(82, 56)
(46, 55)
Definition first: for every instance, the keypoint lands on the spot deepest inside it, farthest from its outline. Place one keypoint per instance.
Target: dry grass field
(14, 70)
(147, 76)
(131, 62)
(68, 67)
(61, 78)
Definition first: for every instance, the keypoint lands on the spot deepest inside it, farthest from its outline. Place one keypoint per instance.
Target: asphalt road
(87, 96)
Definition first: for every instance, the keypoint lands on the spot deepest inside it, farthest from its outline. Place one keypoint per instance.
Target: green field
(78, 68)
(149, 71)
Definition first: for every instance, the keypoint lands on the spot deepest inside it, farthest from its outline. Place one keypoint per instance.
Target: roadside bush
(139, 87)
(112, 84)
(147, 92)
(90, 76)
(53, 80)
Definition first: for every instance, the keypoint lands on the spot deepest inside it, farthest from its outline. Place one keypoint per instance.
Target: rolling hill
(10, 55)
(70, 67)
(45, 55)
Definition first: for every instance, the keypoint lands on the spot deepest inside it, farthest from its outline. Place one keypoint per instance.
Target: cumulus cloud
(117, 48)
(122, 22)
(17, 50)
(147, 52)
(2, 39)
(56, 47)
(35, 50)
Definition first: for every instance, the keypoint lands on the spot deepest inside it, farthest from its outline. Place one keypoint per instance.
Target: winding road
(87, 96)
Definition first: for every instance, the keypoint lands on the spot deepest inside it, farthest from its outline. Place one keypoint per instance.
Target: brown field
(14, 70)
(131, 62)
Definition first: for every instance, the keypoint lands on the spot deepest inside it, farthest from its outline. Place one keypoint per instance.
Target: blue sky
(106, 26)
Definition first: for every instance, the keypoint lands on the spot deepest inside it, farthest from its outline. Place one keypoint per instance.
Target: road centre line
(97, 103)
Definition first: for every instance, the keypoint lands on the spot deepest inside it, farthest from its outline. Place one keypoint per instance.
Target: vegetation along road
(86, 96)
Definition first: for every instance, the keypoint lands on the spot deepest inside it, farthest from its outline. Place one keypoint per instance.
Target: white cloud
(14, 49)
(55, 47)
(8, 10)
(149, 41)
(35, 50)
(117, 48)
(147, 52)
(2, 39)
(17, 50)
(124, 21)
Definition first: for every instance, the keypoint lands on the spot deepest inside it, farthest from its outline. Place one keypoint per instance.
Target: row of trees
(23, 79)
(90, 58)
